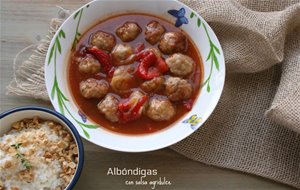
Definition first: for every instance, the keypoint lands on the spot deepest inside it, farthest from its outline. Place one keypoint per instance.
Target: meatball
(154, 31)
(180, 65)
(178, 89)
(122, 80)
(89, 65)
(173, 42)
(154, 85)
(123, 55)
(128, 31)
(160, 110)
(103, 40)
(109, 107)
(93, 88)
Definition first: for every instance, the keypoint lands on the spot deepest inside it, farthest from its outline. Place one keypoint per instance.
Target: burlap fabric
(254, 127)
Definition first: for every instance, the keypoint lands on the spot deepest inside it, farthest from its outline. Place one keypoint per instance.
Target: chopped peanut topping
(33, 146)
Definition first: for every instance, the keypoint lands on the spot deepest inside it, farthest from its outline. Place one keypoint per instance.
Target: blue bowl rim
(70, 126)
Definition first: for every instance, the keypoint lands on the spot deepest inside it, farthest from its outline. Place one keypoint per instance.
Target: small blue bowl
(17, 114)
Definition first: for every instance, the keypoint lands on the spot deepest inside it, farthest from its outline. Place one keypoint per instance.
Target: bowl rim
(171, 142)
(69, 125)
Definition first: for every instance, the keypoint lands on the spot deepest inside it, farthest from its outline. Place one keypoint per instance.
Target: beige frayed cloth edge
(27, 80)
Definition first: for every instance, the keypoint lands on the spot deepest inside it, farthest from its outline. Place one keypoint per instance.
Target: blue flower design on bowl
(83, 116)
(180, 15)
(194, 120)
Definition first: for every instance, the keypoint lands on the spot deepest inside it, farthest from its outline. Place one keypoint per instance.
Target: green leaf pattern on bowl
(212, 56)
(56, 92)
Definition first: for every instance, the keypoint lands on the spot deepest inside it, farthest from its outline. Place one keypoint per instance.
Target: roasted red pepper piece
(129, 112)
(162, 65)
(138, 106)
(103, 57)
(124, 106)
(188, 104)
(140, 47)
(151, 65)
(111, 72)
(144, 71)
(141, 55)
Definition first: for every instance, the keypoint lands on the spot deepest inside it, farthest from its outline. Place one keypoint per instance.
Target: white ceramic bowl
(84, 18)
(9, 117)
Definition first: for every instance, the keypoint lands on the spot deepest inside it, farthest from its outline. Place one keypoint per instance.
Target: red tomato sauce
(143, 125)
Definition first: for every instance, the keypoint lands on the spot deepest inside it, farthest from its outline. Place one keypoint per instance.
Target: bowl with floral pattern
(176, 16)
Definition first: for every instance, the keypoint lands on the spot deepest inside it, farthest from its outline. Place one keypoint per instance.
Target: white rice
(46, 174)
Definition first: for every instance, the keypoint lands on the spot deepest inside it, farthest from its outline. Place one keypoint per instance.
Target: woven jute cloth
(255, 127)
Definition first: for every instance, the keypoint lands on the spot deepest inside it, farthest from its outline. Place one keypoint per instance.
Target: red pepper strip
(124, 111)
(159, 64)
(141, 55)
(144, 70)
(140, 47)
(138, 106)
(111, 72)
(103, 57)
(128, 113)
(124, 106)
(162, 65)
(188, 104)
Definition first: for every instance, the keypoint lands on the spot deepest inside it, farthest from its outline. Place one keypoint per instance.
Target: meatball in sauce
(173, 42)
(128, 31)
(89, 65)
(180, 65)
(154, 85)
(122, 55)
(93, 88)
(103, 40)
(153, 32)
(135, 74)
(177, 89)
(160, 109)
(109, 107)
(123, 80)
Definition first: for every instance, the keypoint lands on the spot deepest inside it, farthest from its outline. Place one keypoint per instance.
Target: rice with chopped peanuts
(37, 154)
